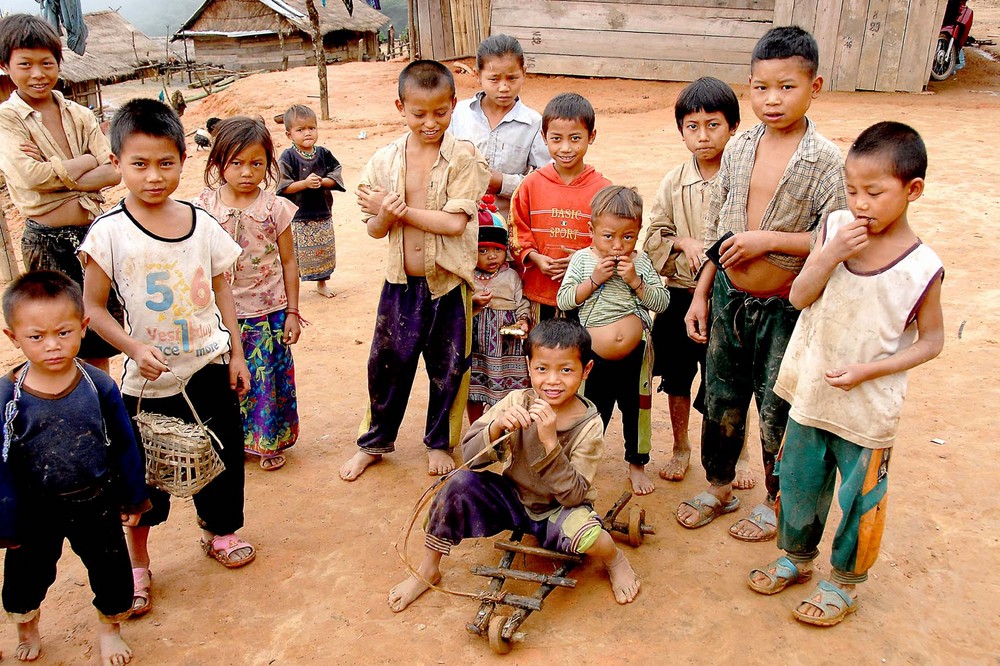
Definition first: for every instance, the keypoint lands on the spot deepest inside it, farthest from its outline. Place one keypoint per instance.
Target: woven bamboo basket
(180, 458)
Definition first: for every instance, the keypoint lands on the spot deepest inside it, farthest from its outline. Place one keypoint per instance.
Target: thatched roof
(115, 49)
(243, 18)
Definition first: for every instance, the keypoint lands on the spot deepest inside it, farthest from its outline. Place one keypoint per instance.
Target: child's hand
(293, 329)
(552, 268)
(314, 181)
(625, 267)
(604, 269)
(744, 246)
(152, 363)
(130, 519)
(482, 298)
(542, 413)
(846, 378)
(850, 240)
(525, 326)
(515, 418)
(692, 249)
(31, 150)
(239, 375)
(696, 320)
(370, 198)
(393, 208)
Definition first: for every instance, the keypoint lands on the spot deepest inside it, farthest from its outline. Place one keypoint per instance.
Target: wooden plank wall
(864, 44)
(448, 29)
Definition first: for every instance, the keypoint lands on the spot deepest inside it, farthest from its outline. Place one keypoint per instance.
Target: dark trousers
(94, 529)
(676, 357)
(617, 382)
(410, 323)
(220, 503)
(746, 343)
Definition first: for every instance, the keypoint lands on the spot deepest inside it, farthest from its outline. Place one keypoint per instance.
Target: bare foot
(114, 651)
(439, 461)
(323, 289)
(676, 467)
(29, 641)
(744, 476)
(405, 593)
(624, 582)
(357, 464)
(641, 484)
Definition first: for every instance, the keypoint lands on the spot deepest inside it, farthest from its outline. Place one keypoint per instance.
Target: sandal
(762, 516)
(780, 574)
(835, 604)
(708, 507)
(141, 597)
(222, 547)
(272, 463)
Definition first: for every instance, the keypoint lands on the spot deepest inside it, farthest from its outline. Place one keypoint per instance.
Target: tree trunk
(317, 39)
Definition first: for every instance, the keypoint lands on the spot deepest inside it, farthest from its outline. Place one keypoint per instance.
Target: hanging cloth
(68, 15)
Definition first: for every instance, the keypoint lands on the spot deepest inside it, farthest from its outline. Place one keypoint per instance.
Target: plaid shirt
(811, 187)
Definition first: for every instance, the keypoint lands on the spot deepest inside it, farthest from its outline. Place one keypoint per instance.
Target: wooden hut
(116, 51)
(864, 44)
(244, 35)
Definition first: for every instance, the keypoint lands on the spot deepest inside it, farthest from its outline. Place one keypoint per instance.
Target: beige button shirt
(457, 181)
(37, 187)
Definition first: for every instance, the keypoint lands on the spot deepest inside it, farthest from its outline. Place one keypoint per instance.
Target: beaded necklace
(308, 156)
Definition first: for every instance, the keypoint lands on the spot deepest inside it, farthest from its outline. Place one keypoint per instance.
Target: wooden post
(317, 38)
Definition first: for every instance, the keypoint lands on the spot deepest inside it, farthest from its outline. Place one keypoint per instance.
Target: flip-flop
(141, 584)
(708, 507)
(272, 463)
(763, 517)
(780, 574)
(222, 547)
(825, 596)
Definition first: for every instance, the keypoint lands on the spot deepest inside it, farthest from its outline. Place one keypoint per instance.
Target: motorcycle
(954, 34)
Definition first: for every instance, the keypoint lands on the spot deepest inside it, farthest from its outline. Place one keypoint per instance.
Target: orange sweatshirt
(553, 219)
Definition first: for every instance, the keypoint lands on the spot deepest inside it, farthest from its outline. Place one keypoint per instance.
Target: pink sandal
(222, 547)
(141, 597)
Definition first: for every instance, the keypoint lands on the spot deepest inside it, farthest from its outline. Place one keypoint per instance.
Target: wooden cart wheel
(498, 643)
(635, 519)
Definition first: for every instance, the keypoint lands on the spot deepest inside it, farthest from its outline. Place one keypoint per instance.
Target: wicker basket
(180, 458)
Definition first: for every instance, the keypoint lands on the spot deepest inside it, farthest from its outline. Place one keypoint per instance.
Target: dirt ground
(316, 593)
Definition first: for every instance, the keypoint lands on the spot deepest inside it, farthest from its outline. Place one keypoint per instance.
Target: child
(501, 320)
(868, 288)
(421, 191)
(309, 174)
(504, 130)
(546, 484)
(707, 114)
(615, 289)
(775, 183)
(265, 281)
(168, 260)
(550, 210)
(70, 468)
(55, 159)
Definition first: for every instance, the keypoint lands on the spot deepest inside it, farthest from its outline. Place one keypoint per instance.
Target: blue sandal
(708, 507)
(835, 604)
(780, 574)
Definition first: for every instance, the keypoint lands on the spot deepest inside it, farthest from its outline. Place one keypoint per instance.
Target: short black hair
(23, 31)
(233, 136)
(569, 106)
(297, 112)
(40, 286)
(149, 117)
(559, 334)
(498, 46)
(789, 41)
(710, 95)
(425, 74)
(900, 145)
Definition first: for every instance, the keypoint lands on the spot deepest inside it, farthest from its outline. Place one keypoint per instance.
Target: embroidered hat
(492, 229)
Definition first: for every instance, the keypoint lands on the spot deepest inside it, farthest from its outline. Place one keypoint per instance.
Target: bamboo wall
(445, 29)
(864, 44)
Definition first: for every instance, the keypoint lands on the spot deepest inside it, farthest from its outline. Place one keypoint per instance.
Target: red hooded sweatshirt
(553, 219)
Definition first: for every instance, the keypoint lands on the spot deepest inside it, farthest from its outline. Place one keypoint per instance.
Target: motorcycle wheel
(945, 59)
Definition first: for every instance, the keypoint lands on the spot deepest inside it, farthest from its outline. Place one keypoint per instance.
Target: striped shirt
(811, 188)
(614, 300)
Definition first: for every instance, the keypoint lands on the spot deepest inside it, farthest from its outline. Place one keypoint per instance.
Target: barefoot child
(869, 287)
(707, 114)
(616, 290)
(548, 466)
(505, 131)
(55, 159)
(500, 321)
(776, 183)
(168, 260)
(309, 175)
(421, 191)
(265, 281)
(70, 468)
(550, 210)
